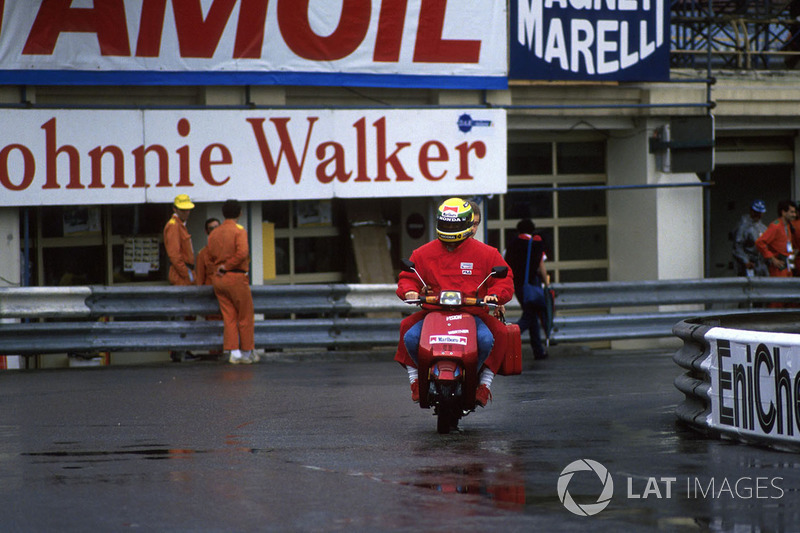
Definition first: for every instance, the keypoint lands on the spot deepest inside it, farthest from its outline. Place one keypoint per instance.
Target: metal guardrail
(739, 290)
(141, 301)
(144, 336)
(151, 318)
(612, 310)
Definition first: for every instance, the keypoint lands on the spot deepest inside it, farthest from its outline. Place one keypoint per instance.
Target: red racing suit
(462, 269)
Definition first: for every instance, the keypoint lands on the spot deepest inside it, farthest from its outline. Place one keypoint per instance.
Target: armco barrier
(149, 318)
(742, 378)
(612, 310)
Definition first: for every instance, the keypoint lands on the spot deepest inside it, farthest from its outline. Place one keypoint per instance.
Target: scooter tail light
(446, 371)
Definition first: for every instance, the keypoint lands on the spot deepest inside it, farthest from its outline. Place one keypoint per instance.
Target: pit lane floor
(333, 443)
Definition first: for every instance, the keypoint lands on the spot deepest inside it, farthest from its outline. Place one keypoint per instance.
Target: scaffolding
(735, 34)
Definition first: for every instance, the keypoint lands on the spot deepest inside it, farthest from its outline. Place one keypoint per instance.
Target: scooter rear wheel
(446, 422)
(448, 406)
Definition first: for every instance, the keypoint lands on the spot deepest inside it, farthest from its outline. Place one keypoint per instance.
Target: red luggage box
(512, 362)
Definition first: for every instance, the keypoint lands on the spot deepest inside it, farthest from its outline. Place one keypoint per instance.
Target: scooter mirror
(408, 266)
(500, 272)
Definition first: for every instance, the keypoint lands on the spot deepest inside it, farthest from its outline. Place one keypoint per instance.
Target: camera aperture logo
(663, 487)
(588, 509)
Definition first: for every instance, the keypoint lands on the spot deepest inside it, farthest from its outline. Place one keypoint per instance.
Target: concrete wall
(679, 222)
(632, 226)
(653, 233)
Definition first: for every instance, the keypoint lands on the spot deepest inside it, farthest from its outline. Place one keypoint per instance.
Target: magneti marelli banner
(600, 40)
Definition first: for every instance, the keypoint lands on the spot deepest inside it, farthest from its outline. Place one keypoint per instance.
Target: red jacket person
(456, 262)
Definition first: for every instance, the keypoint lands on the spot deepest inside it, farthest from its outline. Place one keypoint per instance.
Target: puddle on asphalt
(503, 487)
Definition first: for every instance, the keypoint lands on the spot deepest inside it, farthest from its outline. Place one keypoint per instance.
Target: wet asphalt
(332, 442)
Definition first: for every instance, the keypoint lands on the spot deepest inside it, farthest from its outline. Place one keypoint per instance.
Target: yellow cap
(182, 201)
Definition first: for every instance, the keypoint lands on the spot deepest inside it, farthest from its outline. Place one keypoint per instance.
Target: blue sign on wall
(599, 40)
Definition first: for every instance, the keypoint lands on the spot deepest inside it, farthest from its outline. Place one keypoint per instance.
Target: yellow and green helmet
(454, 221)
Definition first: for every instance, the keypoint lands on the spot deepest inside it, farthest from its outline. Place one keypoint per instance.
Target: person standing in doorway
(526, 254)
(178, 244)
(749, 261)
(777, 243)
(229, 253)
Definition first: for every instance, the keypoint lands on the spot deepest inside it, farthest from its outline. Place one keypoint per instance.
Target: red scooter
(448, 352)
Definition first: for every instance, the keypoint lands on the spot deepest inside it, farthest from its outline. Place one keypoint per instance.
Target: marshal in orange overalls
(229, 253)
(178, 244)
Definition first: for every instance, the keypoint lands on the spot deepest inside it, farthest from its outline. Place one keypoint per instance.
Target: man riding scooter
(454, 261)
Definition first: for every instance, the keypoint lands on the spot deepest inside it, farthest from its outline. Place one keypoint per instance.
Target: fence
(151, 318)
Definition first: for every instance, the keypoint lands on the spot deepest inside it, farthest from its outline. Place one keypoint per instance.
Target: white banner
(85, 157)
(755, 383)
(318, 42)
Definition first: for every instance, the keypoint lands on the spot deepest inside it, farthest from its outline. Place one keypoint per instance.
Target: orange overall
(204, 270)
(775, 243)
(204, 275)
(228, 252)
(178, 244)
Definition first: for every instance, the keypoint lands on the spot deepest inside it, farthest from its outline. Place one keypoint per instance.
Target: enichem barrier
(742, 380)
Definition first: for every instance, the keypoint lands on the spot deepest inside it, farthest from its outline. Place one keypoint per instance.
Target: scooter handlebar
(467, 302)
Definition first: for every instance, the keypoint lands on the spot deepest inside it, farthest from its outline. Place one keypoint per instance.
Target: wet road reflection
(505, 488)
(339, 446)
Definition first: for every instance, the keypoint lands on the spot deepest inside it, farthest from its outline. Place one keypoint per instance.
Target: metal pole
(26, 264)
(250, 242)
(707, 177)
